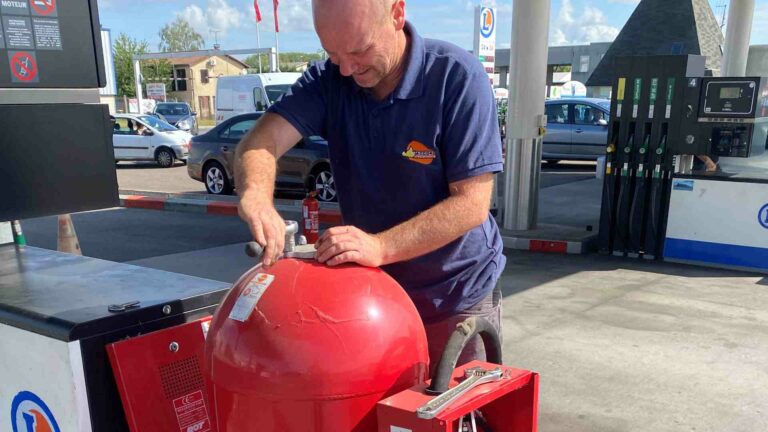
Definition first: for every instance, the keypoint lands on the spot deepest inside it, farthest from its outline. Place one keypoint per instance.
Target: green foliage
(124, 49)
(289, 61)
(180, 36)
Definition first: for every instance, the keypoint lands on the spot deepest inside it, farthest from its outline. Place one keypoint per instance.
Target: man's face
(361, 44)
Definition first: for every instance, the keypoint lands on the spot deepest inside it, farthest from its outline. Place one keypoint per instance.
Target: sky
(233, 24)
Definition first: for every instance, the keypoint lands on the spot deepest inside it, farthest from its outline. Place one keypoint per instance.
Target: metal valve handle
(255, 250)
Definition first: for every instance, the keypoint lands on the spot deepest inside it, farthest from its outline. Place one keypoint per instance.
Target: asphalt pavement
(148, 176)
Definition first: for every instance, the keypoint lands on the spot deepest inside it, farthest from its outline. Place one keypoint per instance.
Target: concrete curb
(167, 202)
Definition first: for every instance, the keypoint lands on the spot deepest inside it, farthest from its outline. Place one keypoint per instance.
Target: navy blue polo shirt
(395, 158)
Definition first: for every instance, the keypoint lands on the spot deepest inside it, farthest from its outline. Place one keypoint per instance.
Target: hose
(465, 331)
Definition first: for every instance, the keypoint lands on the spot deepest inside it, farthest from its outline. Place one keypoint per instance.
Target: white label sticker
(250, 296)
(634, 111)
(205, 326)
(650, 111)
(398, 429)
(669, 111)
(618, 110)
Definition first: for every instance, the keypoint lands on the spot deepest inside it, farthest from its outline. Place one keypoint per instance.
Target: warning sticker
(45, 8)
(250, 296)
(191, 413)
(18, 32)
(47, 34)
(14, 7)
(23, 67)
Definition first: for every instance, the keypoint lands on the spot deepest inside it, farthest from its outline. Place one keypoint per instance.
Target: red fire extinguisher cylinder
(311, 218)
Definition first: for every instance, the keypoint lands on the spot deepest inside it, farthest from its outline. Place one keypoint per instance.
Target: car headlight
(184, 124)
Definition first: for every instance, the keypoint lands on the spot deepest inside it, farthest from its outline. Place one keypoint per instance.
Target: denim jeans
(439, 332)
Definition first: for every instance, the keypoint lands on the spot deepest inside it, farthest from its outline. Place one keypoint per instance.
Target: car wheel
(165, 158)
(324, 185)
(216, 179)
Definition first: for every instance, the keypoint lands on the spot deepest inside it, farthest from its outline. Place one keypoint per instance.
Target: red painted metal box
(162, 381)
(508, 405)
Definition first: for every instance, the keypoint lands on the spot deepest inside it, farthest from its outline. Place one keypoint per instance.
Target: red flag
(274, 4)
(258, 12)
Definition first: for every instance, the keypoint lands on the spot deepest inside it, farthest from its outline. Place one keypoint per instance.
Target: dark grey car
(576, 129)
(303, 168)
(178, 114)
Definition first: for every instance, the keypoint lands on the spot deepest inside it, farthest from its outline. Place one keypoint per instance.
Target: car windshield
(157, 124)
(605, 104)
(274, 92)
(178, 109)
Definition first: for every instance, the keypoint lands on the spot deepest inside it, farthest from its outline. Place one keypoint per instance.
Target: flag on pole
(274, 4)
(258, 12)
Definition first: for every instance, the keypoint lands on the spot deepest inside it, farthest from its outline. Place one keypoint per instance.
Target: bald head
(364, 37)
(343, 11)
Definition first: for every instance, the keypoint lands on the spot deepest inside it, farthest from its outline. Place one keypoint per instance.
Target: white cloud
(633, 2)
(218, 15)
(588, 25)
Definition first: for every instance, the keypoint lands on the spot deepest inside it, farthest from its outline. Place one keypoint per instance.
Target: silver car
(577, 129)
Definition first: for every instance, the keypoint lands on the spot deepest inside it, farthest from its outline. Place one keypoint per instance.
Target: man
(413, 142)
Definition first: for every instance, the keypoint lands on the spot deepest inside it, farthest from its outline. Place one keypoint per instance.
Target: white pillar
(273, 61)
(527, 86)
(137, 81)
(737, 35)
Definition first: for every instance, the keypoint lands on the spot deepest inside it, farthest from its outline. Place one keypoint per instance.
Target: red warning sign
(23, 66)
(191, 413)
(43, 7)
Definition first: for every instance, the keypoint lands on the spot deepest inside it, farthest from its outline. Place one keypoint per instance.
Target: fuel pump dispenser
(646, 103)
(720, 218)
(667, 113)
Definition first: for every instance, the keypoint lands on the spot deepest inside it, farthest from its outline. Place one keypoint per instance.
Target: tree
(289, 61)
(125, 48)
(180, 36)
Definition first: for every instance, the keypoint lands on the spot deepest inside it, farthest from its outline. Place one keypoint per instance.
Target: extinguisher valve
(295, 246)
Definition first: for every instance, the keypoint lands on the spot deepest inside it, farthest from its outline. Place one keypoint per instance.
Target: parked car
(178, 114)
(304, 167)
(144, 138)
(576, 129)
(240, 94)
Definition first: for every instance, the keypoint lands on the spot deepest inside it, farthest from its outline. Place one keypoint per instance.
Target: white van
(239, 94)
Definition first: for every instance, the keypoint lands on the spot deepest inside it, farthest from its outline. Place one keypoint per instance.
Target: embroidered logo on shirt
(419, 153)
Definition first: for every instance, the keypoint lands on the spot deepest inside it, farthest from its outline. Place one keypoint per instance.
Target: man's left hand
(345, 244)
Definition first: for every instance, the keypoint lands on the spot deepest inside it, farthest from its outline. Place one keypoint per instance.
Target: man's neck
(391, 81)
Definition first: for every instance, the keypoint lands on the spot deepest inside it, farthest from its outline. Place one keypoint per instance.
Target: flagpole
(258, 43)
(277, 50)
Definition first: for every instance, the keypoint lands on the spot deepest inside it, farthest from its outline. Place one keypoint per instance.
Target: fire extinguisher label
(398, 429)
(191, 413)
(250, 296)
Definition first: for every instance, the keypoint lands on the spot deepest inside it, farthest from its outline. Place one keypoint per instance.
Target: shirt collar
(412, 83)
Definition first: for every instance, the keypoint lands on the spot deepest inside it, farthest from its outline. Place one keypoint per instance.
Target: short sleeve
(304, 105)
(470, 144)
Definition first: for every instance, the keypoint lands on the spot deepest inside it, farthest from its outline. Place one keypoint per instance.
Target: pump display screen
(730, 92)
(729, 97)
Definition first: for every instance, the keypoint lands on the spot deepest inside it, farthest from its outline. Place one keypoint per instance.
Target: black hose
(465, 331)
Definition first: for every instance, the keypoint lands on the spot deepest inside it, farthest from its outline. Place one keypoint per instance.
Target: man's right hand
(266, 225)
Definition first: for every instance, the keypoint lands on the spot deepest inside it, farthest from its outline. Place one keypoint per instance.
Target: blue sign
(487, 22)
(30, 414)
(762, 216)
(683, 185)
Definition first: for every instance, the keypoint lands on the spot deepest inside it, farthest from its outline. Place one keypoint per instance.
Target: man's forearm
(437, 226)
(255, 171)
